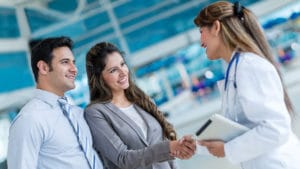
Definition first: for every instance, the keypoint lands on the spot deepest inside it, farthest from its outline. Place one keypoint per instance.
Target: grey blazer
(120, 142)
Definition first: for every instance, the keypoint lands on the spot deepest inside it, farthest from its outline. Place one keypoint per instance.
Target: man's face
(61, 77)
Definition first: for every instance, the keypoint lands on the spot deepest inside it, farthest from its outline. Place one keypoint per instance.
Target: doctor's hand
(184, 148)
(215, 147)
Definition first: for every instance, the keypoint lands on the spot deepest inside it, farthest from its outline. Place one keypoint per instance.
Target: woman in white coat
(253, 94)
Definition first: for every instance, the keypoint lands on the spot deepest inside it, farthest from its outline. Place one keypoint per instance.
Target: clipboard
(218, 127)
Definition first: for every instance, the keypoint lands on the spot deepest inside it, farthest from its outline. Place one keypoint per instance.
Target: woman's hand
(184, 148)
(215, 147)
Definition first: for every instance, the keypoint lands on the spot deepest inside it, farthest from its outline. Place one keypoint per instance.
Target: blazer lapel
(150, 122)
(126, 119)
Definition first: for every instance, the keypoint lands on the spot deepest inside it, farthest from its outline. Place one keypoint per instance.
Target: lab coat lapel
(127, 120)
(220, 85)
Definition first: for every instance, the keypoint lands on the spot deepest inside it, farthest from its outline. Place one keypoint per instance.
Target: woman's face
(115, 73)
(211, 41)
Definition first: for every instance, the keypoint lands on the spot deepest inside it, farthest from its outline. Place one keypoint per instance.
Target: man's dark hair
(43, 51)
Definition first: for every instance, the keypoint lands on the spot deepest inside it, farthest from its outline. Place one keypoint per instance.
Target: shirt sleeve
(105, 136)
(260, 94)
(25, 139)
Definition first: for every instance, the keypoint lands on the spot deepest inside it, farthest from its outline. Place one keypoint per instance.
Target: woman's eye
(112, 71)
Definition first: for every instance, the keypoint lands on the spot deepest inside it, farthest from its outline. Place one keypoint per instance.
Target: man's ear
(43, 67)
(216, 27)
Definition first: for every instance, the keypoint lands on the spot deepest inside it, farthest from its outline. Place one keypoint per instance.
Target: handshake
(183, 148)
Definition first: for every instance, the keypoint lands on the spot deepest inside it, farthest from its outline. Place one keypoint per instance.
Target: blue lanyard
(235, 57)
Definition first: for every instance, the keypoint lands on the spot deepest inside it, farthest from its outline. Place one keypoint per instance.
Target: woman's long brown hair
(100, 92)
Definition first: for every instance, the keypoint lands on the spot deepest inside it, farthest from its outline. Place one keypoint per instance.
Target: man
(42, 136)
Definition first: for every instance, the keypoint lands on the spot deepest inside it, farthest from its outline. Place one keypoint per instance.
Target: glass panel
(15, 72)
(37, 20)
(133, 6)
(72, 30)
(92, 5)
(96, 37)
(148, 15)
(96, 20)
(147, 36)
(160, 30)
(8, 23)
(63, 5)
(91, 1)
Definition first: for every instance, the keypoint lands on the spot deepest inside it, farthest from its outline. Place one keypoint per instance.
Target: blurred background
(162, 48)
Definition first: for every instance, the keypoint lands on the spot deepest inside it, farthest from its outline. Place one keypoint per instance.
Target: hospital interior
(162, 47)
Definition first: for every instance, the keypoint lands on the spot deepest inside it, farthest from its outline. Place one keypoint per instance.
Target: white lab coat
(258, 103)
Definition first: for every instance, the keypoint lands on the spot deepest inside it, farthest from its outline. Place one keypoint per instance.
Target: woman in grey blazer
(128, 130)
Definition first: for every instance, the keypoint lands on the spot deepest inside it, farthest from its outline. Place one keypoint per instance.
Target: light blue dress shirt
(41, 137)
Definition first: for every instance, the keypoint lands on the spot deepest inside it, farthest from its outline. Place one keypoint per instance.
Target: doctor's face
(210, 40)
(115, 73)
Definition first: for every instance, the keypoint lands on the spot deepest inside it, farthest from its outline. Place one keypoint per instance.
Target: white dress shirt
(41, 137)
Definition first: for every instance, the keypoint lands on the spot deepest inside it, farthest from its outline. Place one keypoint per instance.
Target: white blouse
(131, 112)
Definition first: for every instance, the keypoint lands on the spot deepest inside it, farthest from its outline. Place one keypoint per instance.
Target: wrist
(173, 147)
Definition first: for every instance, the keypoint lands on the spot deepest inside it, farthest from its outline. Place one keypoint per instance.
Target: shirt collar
(47, 97)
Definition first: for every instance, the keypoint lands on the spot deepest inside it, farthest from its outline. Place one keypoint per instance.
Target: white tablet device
(218, 127)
